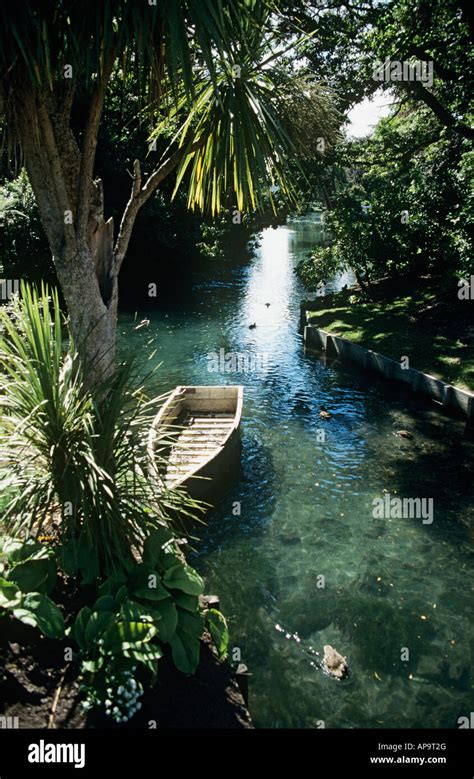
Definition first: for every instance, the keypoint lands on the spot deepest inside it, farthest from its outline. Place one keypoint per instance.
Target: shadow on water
(227, 521)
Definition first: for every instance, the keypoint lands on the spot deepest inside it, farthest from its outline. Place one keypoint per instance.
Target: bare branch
(137, 179)
(89, 146)
(140, 195)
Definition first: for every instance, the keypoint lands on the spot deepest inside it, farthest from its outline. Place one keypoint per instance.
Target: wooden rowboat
(202, 428)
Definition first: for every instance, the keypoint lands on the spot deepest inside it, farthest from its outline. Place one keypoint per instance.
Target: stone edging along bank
(335, 346)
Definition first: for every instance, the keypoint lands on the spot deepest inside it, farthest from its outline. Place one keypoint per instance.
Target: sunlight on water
(306, 512)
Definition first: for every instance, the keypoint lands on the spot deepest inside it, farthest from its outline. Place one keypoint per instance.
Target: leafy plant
(76, 463)
(32, 566)
(40, 612)
(137, 614)
(25, 250)
(405, 207)
(166, 590)
(28, 572)
(217, 627)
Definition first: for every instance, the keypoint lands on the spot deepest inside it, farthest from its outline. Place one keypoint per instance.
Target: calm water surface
(390, 585)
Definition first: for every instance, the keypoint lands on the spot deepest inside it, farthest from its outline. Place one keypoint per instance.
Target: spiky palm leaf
(177, 48)
(71, 461)
(249, 127)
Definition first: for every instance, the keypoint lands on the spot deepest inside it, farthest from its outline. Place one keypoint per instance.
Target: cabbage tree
(206, 68)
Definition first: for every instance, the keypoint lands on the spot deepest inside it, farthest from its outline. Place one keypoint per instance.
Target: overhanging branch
(419, 92)
(140, 195)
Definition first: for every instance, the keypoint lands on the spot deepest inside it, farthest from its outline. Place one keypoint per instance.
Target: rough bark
(71, 205)
(84, 263)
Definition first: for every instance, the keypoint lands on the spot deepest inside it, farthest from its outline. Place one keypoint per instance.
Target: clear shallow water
(306, 511)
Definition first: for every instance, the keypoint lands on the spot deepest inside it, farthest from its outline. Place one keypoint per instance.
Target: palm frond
(76, 463)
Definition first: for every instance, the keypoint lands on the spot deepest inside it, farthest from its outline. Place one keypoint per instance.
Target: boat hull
(205, 455)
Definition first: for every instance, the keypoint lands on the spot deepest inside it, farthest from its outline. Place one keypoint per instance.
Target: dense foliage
(406, 206)
(400, 201)
(22, 235)
(118, 640)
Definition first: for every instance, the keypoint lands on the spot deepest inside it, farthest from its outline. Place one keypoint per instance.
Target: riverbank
(39, 689)
(428, 324)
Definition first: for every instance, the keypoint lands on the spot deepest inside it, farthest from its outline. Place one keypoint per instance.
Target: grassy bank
(424, 321)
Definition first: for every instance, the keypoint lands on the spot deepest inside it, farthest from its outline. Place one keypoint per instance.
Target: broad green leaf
(217, 626)
(192, 624)
(147, 585)
(169, 557)
(26, 616)
(122, 594)
(188, 602)
(98, 622)
(80, 624)
(131, 611)
(166, 613)
(149, 651)
(105, 603)
(10, 595)
(112, 585)
(154, 544)
(30, 550)
(48, 617)
(185, 651)
(185, 578)
(35, 576)
(147, 655)
(127, 635)
(10, 546)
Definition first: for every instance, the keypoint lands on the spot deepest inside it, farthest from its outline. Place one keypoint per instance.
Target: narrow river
(304, 563)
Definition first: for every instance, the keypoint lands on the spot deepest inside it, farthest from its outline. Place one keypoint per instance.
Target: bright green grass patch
(396, 329)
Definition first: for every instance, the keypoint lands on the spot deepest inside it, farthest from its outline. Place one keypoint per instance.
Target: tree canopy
(205, 73)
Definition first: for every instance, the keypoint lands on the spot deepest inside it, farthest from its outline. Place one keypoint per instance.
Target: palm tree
(209, 64)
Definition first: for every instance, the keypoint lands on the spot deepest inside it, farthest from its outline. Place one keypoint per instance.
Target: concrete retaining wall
(335, 346)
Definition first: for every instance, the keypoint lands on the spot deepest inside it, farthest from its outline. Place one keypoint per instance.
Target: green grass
(434, 331)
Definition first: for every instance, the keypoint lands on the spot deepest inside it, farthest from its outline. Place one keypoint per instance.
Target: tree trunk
(71, 206)
(85, 261)
(93, 319)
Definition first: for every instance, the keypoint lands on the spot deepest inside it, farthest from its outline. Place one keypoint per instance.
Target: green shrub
(155, 603)
(31, 566)
(76, 466)
(28, 572)
(25, 250)
(77, 469)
